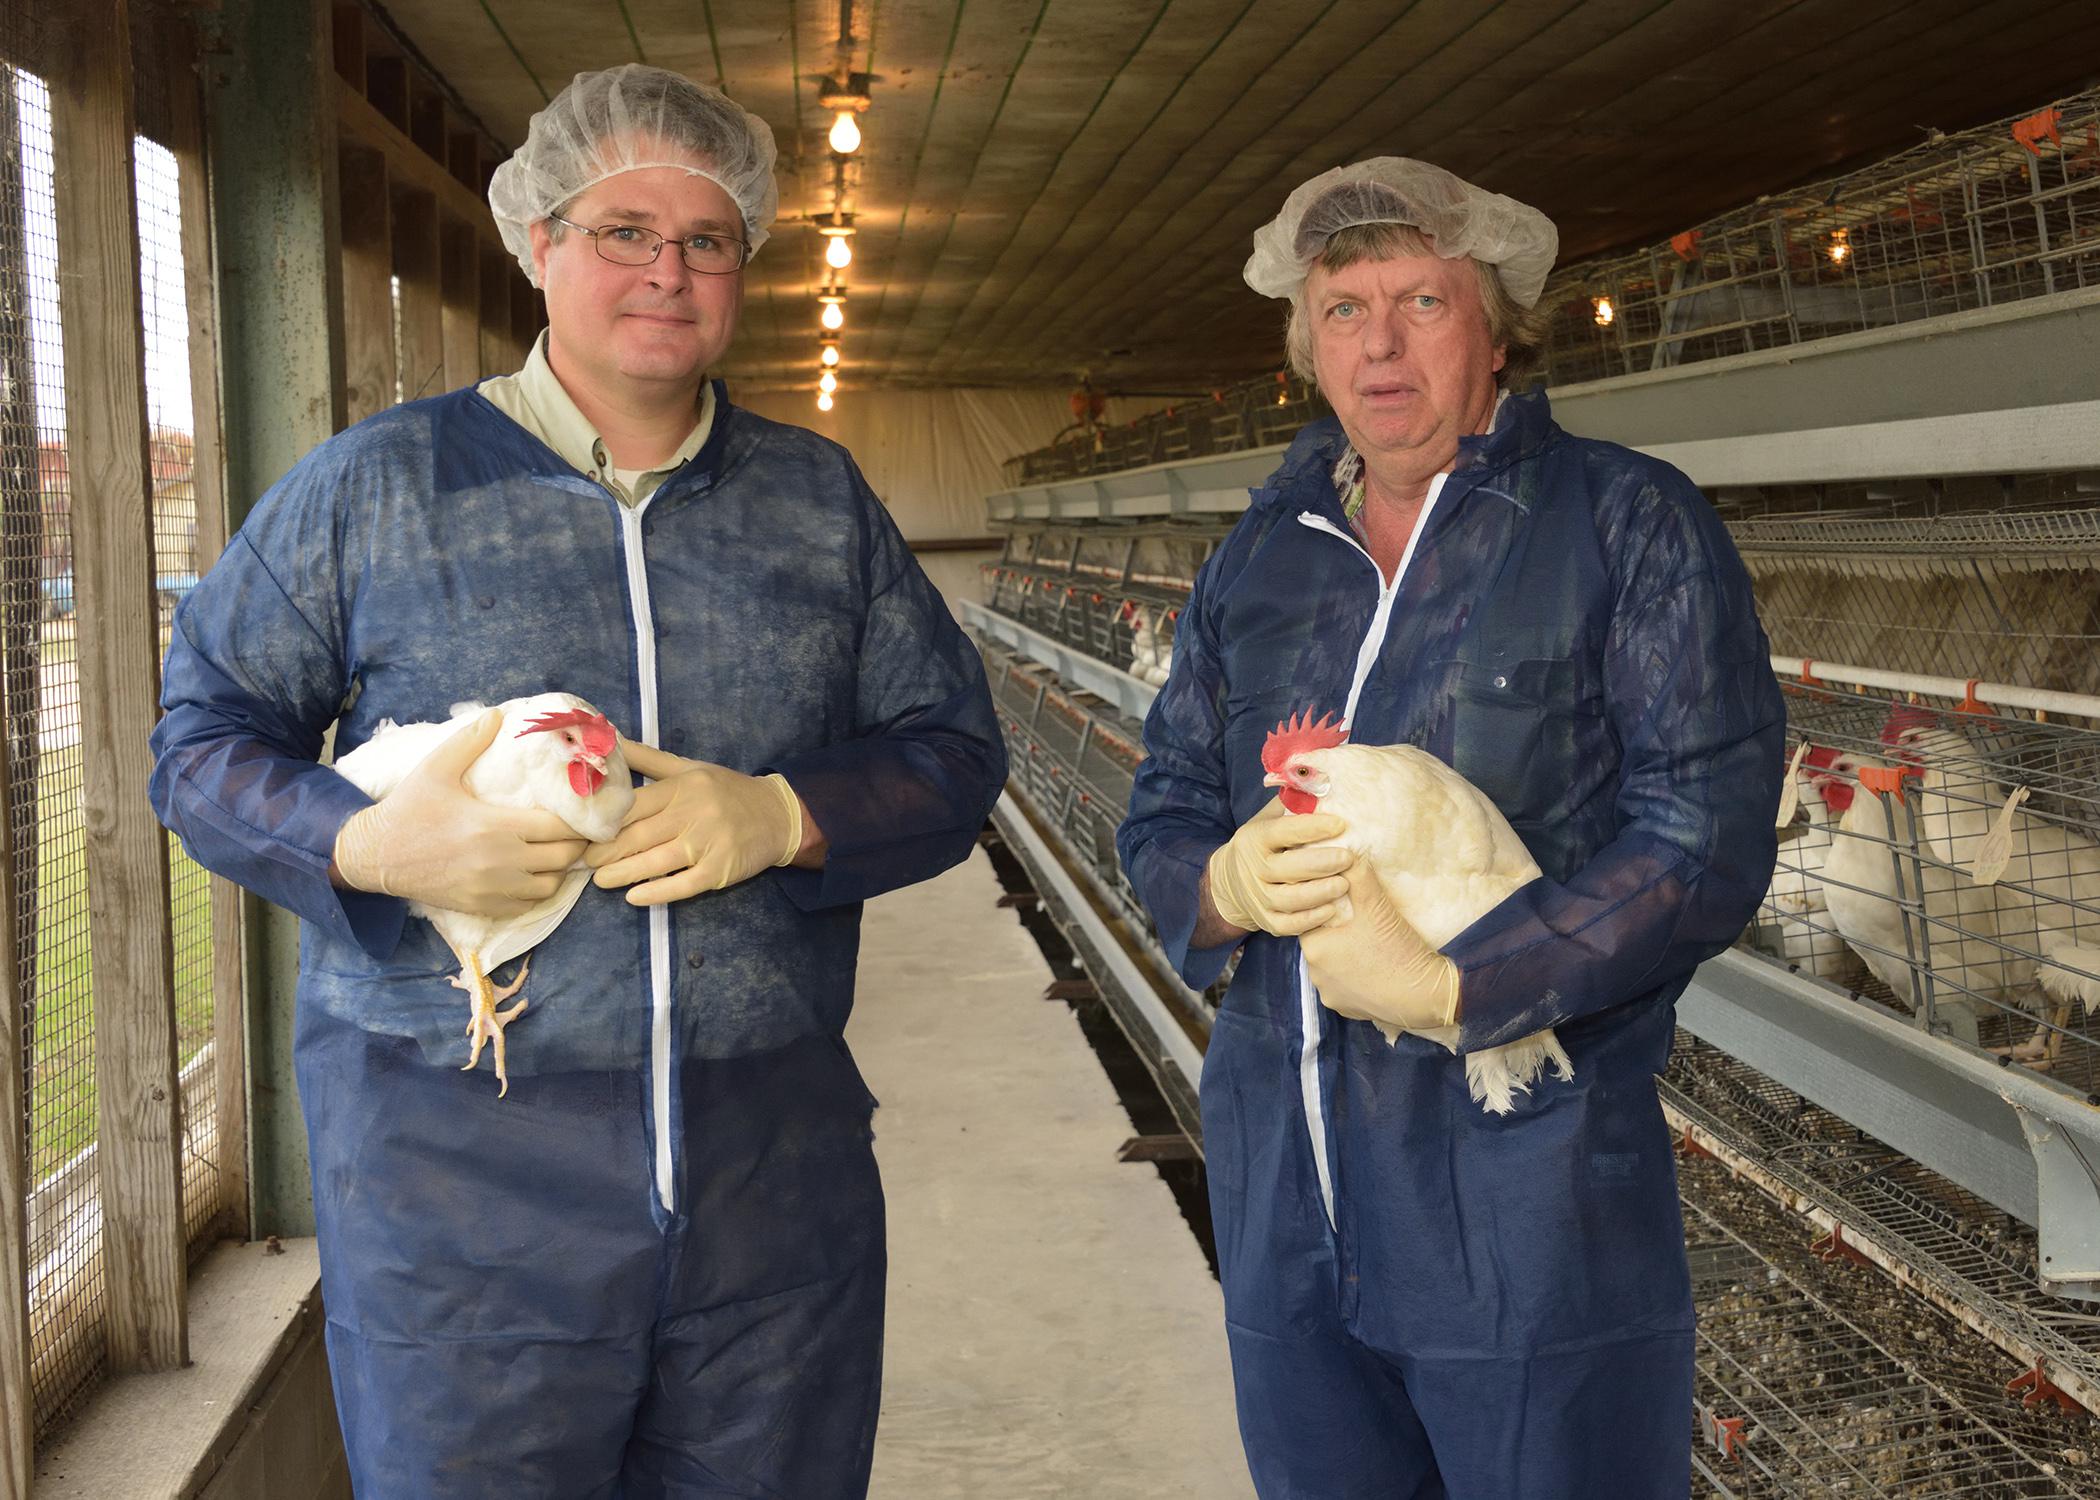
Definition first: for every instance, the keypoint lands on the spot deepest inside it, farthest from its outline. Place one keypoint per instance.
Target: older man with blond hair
(1422, 1298)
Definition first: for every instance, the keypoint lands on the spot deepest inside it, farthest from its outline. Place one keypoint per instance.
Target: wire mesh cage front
(1949, 864)
(1997, 580)
(1989, 216)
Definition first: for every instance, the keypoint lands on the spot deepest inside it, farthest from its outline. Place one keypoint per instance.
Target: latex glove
(1370, 963)
(1263, 880)
(431, 840)
(697, 827)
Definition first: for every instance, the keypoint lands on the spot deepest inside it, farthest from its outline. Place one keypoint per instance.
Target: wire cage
(1946, 863)
(1978, 219)
(1074, 757)
(1818, 1377)
(1992, 579)
(1112, 591)
(1252, 414)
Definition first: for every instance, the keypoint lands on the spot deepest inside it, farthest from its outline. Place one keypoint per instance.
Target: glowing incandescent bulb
(839, 253)
(834, 316)
(845, 134)
(830, 356)
(828, 382)
(823, 401)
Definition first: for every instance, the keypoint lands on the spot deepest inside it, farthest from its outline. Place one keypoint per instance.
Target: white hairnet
(1459, 219)
(628, 117)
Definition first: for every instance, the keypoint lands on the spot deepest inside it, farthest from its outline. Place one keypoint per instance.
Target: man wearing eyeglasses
(655, 1268)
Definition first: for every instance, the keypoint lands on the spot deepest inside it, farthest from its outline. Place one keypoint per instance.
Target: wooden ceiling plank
(1917, 61)
(1081, 169)
(1277, 111)
(1087, 222)
(982, 141)
(1252, 187)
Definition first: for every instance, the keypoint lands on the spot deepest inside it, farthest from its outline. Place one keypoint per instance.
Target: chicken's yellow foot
(485, 1023)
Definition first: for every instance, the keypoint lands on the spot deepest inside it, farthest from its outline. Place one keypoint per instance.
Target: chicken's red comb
(1904, 717)
(1822, 757)
(599, 736)
(1298, 734)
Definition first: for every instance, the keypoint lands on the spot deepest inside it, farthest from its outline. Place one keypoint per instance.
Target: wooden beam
(406, 160)
(460, 276)
(422, 349)
(368, 291)
(137, 1148)
(229, 903)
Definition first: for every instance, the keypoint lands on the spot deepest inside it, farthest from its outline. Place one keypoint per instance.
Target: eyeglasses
(632, 245)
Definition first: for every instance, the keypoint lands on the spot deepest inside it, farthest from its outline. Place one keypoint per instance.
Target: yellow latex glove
(433, 841)
(1263, 880)
(1370, 963)
(696, 827)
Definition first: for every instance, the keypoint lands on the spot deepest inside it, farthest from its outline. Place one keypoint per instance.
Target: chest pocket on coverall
(1525, 701)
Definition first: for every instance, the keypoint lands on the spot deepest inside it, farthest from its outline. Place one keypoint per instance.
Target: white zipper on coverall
(660, 915)
(1366, 658)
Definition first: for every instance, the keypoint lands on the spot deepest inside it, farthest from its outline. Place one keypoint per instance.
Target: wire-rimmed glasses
(632, 245)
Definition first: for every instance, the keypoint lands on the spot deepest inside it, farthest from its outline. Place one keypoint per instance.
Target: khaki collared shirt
(537, 402)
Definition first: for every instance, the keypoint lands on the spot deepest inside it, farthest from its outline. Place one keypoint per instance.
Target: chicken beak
(1274, 778)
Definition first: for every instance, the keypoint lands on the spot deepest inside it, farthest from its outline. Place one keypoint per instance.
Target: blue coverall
(1423, 1299)
(656, 1268)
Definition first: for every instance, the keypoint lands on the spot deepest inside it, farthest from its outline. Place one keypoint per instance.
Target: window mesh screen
(42, 711)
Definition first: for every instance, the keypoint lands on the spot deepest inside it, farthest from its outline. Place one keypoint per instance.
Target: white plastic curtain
(934, 454)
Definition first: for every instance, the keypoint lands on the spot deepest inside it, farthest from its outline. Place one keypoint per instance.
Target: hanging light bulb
(834, 317)
(824, 401)
(828, 382)
(845, 133)
(1602, 312)
(839, 253)
(1840, 246)
(830, 356)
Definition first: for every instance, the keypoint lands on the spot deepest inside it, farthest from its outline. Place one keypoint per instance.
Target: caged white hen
(1151, 642)
(1441, 849)
(555, 753)
(2041, 876)
(1795, 900)
(1869, 869)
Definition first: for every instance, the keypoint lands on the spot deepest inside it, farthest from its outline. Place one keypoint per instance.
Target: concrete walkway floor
(1053, 1328)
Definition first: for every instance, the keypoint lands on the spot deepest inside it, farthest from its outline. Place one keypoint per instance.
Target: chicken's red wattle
(584, 779)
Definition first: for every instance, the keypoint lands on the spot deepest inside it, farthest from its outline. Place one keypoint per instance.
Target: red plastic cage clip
(1970, 703)
(2035, 1387)
(1834, 1246)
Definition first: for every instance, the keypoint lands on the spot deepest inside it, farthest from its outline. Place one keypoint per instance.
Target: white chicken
(1795, 898)
(2043, 878)
(1151, 643)
(555, 753)
(1443, 852)
(1972, 973)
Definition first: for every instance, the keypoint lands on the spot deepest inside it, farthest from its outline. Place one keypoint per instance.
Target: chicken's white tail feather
(2080, 989)
(1496, 1075)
